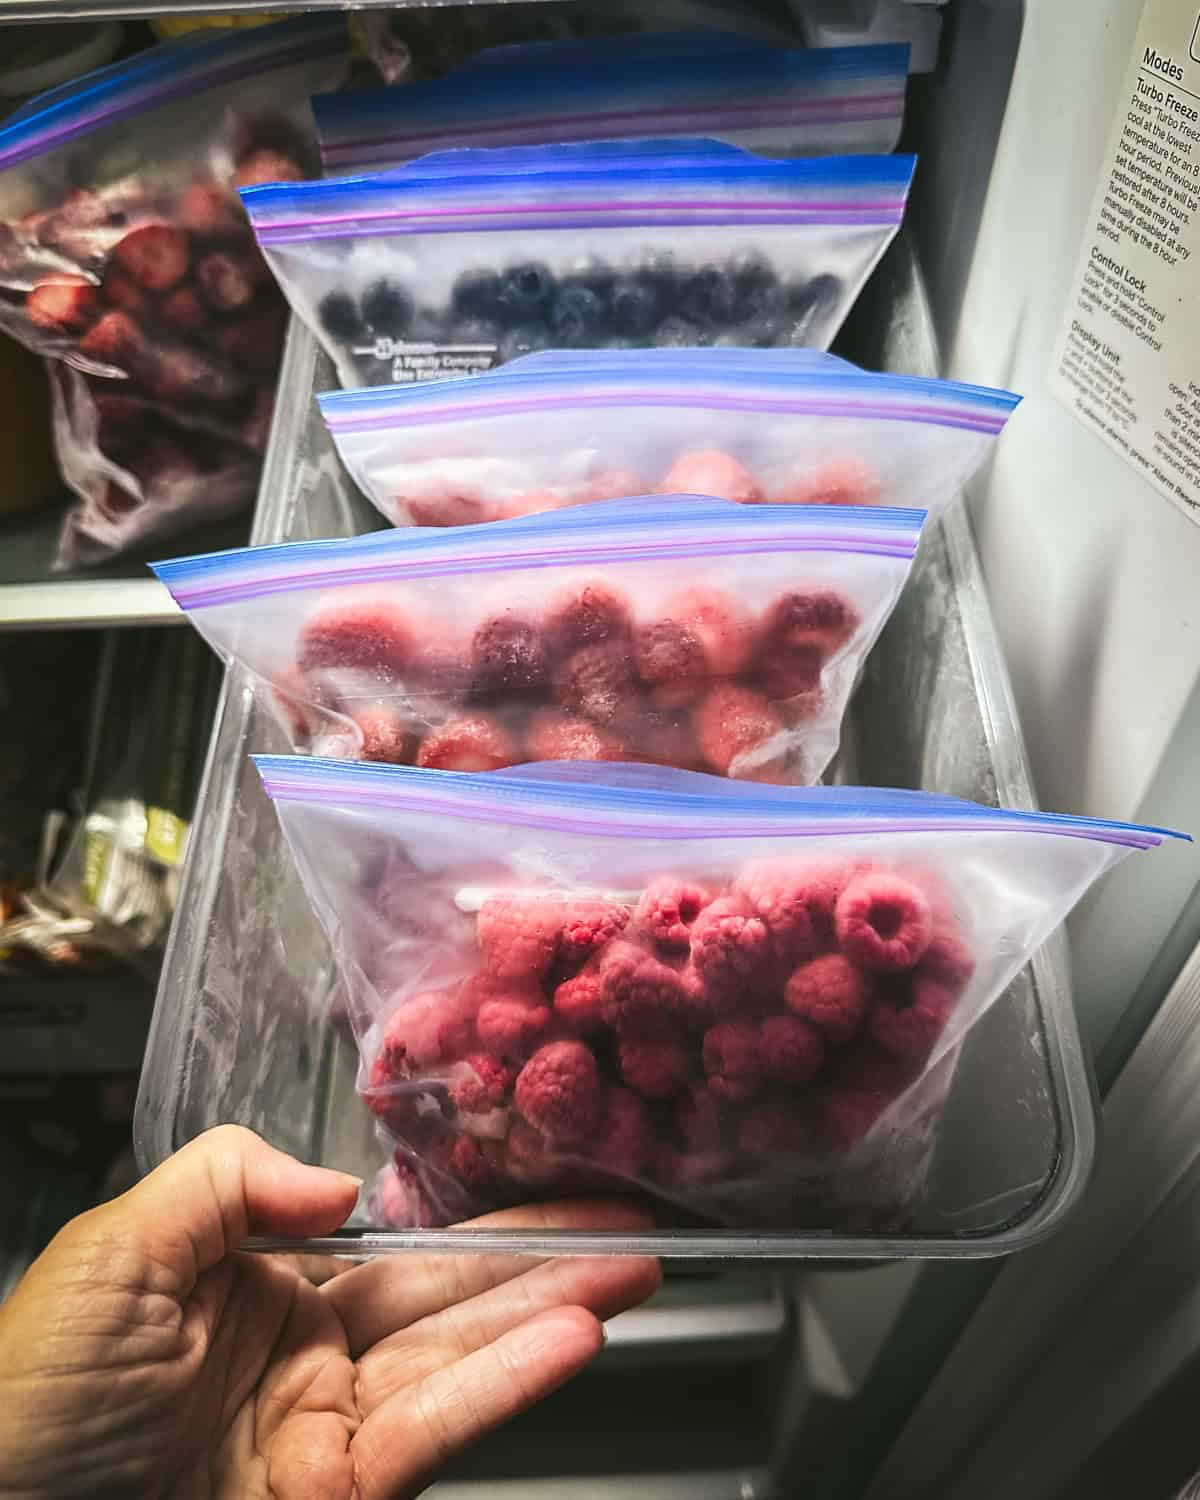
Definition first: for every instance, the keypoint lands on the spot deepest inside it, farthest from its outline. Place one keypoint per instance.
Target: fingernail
(340, 1176)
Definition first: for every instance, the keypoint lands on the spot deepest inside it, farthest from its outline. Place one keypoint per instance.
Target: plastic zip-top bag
(678, 630)
(804, 102)
(555, 429)
(743, 1001)
(126, 260)
(451, 265)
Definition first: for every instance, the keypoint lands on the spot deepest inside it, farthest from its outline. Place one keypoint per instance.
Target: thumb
(228, 1183)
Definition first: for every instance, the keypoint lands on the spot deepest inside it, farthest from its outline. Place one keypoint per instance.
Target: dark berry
(595, 275)
(387, 308)
(678, 333)
(577, 315)
(709, 296)
(757, 292)
(808, 302)
(637, 305)
(526, 291)
(477, 294)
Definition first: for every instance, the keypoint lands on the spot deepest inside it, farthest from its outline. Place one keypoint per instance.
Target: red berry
(529, 1158)
(182, 310)
(65, 304)
(579, 1002)
(155, 255)
(206, 208)
(883, 922)
(586, 614)
(732, 953)
(624, 1138)
(774, 1126)
(640, 995)
(739, 733)
(667, 910)
(587, 926)
(656, 1069)
(385, 736)
(372, 636)
(731, 1060)
(508, 659)
(910, 1027)
(839, 481)
(472, 743)
(720, 624)
(658, 737)
(597, 681)
(790, 896)
(180, 376)
(114, 339)
(948, 960)
(710, 472)
(670, 660)
(789, 1050)
(512, 1026)
(518, 935)
(530, 503)
(448, 505)
(253, 342)
(806, 620)
(121, 290)
(266, 166)
(471, 1163)
(425, 1031)
(558, 1091)
(700, 1116)
(482, 1083)
(228, 282)
(553, 735)
(830, 994)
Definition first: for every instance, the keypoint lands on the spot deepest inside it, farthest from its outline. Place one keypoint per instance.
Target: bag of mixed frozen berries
(126, 259)
(742, 1000)
(679, 630)
(791, 426)
(467, 259)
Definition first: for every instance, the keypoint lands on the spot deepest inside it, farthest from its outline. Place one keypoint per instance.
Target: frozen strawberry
(668, 909)
(820, 619)
(559, 1092)
(640, 995)
(444, 505)
(586, 926)
(208, 209)
(385, 736)
(659, 738)
(655, 1069)
(731, 952)
(155, 255)
(613, 484)
(266, 166)
(670, 660)
(948, 960)
(66, 304)
(553, 735)
(839, 481)
(528, 503)
(472, 743)
(372, 636)
(579, 1002)
(792, 677)
(182, 311)
(708, 471)
(738, 733)
(775, 1125)
(512, 1025)
(586, 614)
(731, 1060)
(428, 1029)
(909, 1027)
(598, 681)
(718, 622)
(883, 922)
(228, 282)
(518, 936)
(121, 290)
(830, 994)
(252, 342)
(508, 659)
(624, 1139)
(114, 339)
(790, 1050)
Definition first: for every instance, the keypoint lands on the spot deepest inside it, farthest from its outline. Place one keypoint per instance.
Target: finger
(602, 1286)
(407, 1439)
(225, 1185)
(384, 1295)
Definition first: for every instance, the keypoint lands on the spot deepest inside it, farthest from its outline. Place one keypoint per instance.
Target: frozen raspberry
(207, 209)
(508, 659)
(807, 619)
(679, 1171)
(670, 660)
(700, 1116)
(883, 922)
(718, 622)
(624, 1140)
(866, 1068)
(586, 614)
(613, 484)
(785, 894)
(731, 951)
(114, 339)
(428, 1029)
(710, 472)
(840, 481)
(183, 311)
(66, 304)
(529, 1158)
(949, 961)
(735, 729)
(830, 994)
(586, 927)
(579, 1002)
(597, 681)
(512, 1026)
(518, 935)
(155, 255)
(266, 166)
(373, 636)
(774, 1125)
(640, 995)
(385, 736)
(553, 735)
(700, 1003)
(473, 743)
(228, 282)
(910, 1028)
(731, 1060)
(470, 1162)
(654, 1069)
(558, 1091)
(668, 909)
(790, 1050)
(399, 1201)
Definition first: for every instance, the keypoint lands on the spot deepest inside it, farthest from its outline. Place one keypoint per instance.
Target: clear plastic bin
(242, 1029)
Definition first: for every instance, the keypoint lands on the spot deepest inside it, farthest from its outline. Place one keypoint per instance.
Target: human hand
(144, 1355)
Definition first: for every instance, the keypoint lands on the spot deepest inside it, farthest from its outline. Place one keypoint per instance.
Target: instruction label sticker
(1128, 358)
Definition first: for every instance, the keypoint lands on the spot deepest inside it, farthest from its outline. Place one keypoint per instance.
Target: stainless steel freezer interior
(241, 1030)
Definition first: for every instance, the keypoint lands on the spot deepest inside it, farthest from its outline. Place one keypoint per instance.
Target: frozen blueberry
(387, 308)
(756, 288)
(809, 302)
(525, 291)
(427, 327)
(709, 296)
(637, 305)
(577, 316)
(523, 339)
(340, 317)
(594, 274)
(477, 294)
(679, 333)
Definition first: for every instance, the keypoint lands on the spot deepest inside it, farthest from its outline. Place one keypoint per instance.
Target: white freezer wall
(1094, 576)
